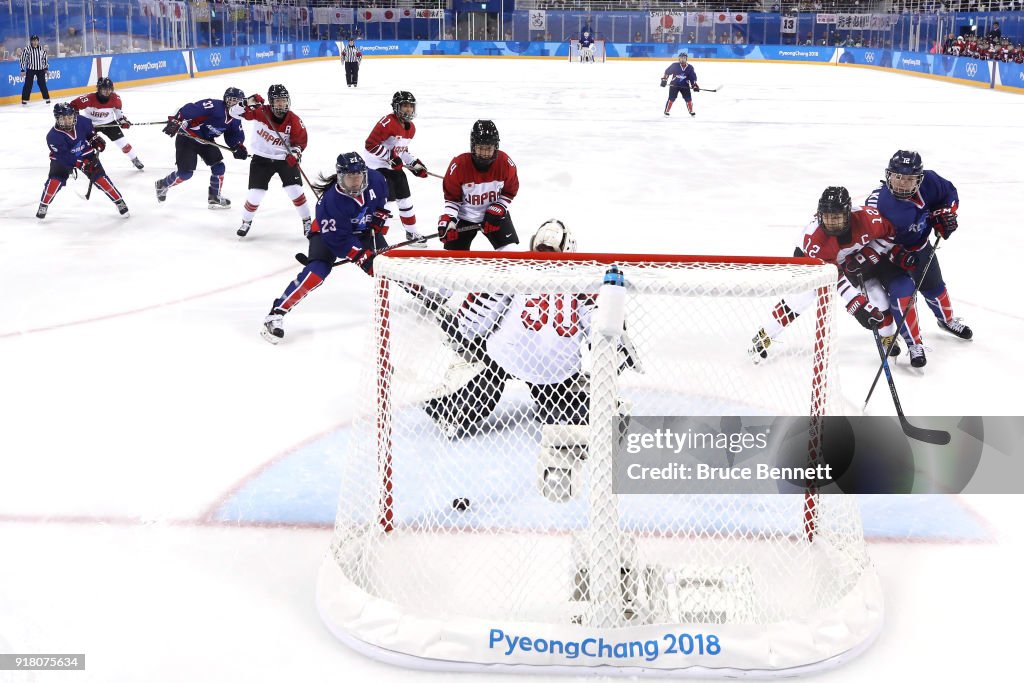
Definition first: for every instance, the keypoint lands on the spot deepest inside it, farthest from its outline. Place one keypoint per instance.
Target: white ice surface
(137, 394)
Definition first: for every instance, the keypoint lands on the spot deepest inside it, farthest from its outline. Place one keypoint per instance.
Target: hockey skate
(917, 357)
(759, 351)
(41, 211)
(422, 244)
(892, 343)
(138, 164)
(273, 328)
(243, 230)
(122, 208)
(161, 190)
(215, 201)
(957, 327)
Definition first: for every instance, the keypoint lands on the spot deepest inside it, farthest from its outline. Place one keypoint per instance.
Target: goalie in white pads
(505, 337)
(586, 47)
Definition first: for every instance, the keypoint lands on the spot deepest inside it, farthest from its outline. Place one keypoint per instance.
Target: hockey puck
(461, 504)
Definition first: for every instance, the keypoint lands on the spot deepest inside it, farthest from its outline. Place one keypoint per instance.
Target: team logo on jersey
(215, 59)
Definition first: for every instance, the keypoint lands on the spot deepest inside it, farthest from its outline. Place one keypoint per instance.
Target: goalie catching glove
(867, 315)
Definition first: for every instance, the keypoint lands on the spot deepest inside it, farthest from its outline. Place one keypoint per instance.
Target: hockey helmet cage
(484, 133)
(104, 83)
(275, 94)
(834, 201)
(399, 100)
(64, 116)
(348, 165)
(553, 235)
(233, 96)
(904, 174)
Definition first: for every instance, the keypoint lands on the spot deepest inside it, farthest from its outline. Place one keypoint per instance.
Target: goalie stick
(933, 436)
(903, 317)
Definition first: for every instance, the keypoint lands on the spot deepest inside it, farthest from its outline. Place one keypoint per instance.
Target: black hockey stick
(934, 436)
(903, 317)
(118, 125)
(711, 89)
(304, 259)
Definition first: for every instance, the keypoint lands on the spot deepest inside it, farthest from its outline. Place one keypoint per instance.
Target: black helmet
(835, 200)
(33, 38)
(102, 84)
(908, 170)
(276, 93)
(484, 133)
(403, 97)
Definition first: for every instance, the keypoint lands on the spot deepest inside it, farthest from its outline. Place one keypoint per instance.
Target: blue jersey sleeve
(234, 135)
(937, 192)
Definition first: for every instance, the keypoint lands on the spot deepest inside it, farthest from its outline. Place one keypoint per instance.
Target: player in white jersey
(535, 338)
(278, 140)
(103, 108)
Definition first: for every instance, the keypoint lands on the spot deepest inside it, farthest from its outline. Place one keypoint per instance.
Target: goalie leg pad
(470, 393)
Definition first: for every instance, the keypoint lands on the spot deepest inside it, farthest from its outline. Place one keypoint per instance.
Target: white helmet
(554, 235)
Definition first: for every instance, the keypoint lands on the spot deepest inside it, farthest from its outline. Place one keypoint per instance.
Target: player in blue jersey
(681, 78)
(194, 128)
(350, 224)
(73, 145)
(917, 201)
(586, 47)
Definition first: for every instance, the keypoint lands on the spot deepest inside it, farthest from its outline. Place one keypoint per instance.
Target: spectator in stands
(637, 38)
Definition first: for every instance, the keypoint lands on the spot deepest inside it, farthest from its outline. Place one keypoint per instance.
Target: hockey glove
(664, 81)
(396, 162)
(240, 152)
(174, 124)
(694, 87)
(493, 218)
(447, 228)
(867, 315)
(90, 166)
(862, 261)
(124, 123)
(379, 221)
(418, 169)
(253, 102)
(903, 257)
(294, 157)
(943, 221)
(362, 258)
(97, 143)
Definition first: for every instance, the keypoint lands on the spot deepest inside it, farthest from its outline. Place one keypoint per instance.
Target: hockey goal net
(597, 50)
(478, 525)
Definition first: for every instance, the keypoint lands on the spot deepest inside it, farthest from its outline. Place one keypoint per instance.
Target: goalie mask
(904, 174)
(352, 175)
(279, 100)
(834, 210)
(483, 144)
(65, 116)
(553, 236)
(403, 103)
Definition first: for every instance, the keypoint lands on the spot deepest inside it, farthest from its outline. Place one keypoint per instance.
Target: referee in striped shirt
(34, 63)
(352, 56)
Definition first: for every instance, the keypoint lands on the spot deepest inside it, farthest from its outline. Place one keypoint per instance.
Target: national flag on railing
(739, 17)
(538, 20)
(697, 19)
(382, 15)
(667, 21)
(723, 18)
(439, 14)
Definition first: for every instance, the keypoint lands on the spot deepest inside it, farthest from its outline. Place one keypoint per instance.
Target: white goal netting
(476, 500)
